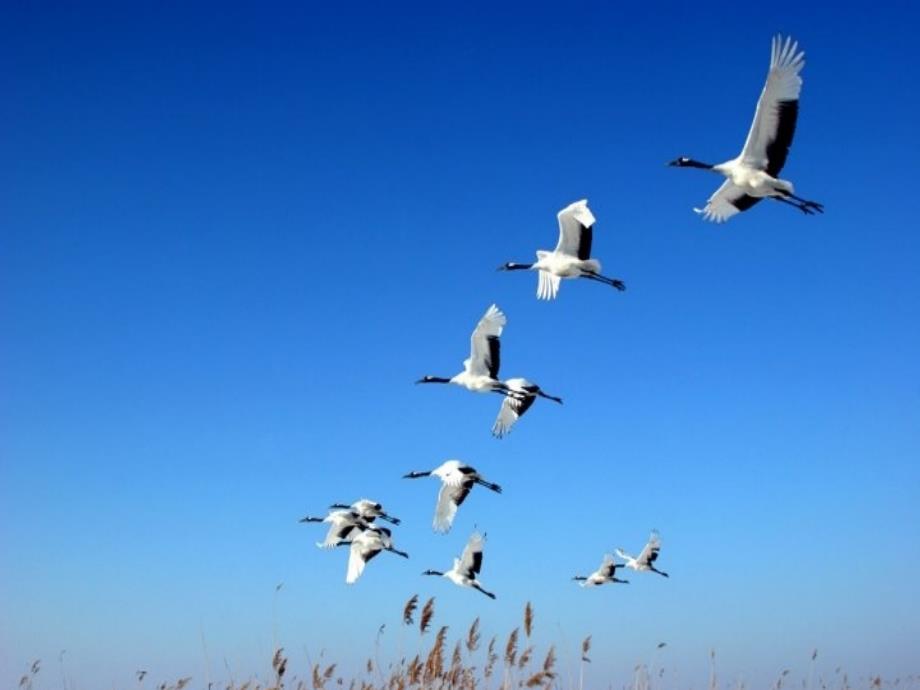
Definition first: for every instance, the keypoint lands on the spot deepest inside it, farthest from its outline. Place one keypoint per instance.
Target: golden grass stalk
(279, 665)
(434, 664)
(414, 672)
(472, 636)
(549, 663)
(409, 609)
(528, 619)
(491, 659)
(525, 657)
(538, 678)
(511, 648)
(456, 660)
(427, 615)
(317, 678)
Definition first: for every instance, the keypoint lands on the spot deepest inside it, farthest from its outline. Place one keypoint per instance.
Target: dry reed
(472, 668)
(427, 615)
(472, 636)
(511, 648)
(409, 609)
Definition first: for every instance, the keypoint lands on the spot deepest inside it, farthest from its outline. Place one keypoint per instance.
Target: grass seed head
(409, 609)
(427, 615)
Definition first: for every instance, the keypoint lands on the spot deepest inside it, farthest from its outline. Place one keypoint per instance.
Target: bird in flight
(344, 525)
(480, 373)
(480, 369)
(366, 546)
(457, 480)
(645, 561)
(522, 395)
(465, 572)
(368, 510)
(572, 256)
(606, 573)
(752, 176)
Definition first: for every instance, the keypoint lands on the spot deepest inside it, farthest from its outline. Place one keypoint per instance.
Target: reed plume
(456, 660)
(409, 609)
(279, 665)
(528, 619)
(511, 648)
(414, 672)
(427, 615)
(472, 636)
(525, 657)
(434, 664)
(492, 657)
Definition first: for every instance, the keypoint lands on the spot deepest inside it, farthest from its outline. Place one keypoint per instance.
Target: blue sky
(231, 239)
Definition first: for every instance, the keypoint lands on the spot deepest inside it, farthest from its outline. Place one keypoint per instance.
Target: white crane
(522, 395)
(366, 546)
(466, 568)
(344, 525)
(606, 573)
(572, 256)
(457, 480)
(480, 373)
(480, 369)
(645, 561)
(752, 176)
(368, 510)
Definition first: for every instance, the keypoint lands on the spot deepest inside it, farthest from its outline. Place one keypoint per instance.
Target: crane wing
(344, 525)
(608, 566)
(484, 344)
(342, 531)
(727, 201)
(471, 560)
(650, 552)
(512, 409)
(768, 142)
(547, 285)
(575, 230)
(357, 559)
(449, 499)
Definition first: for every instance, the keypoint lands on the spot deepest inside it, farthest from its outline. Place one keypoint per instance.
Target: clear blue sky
(231, 239)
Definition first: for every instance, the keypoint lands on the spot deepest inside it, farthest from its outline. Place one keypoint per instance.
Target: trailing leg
(802, 207)
(810, 204)
(613, 282)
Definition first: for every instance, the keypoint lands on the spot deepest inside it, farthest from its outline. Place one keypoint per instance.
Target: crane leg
(802, 207)
(613, 282)
(810, 204)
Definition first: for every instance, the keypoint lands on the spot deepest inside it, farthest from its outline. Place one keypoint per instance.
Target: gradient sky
(230, 240)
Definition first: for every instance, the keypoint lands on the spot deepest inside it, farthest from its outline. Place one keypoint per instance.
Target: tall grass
(465, 664)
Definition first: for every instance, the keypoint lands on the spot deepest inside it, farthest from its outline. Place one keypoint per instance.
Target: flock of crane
(750, 177)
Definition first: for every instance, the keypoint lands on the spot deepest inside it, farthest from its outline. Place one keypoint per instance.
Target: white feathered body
(565, 265)
(478, 383)
(752, 181)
